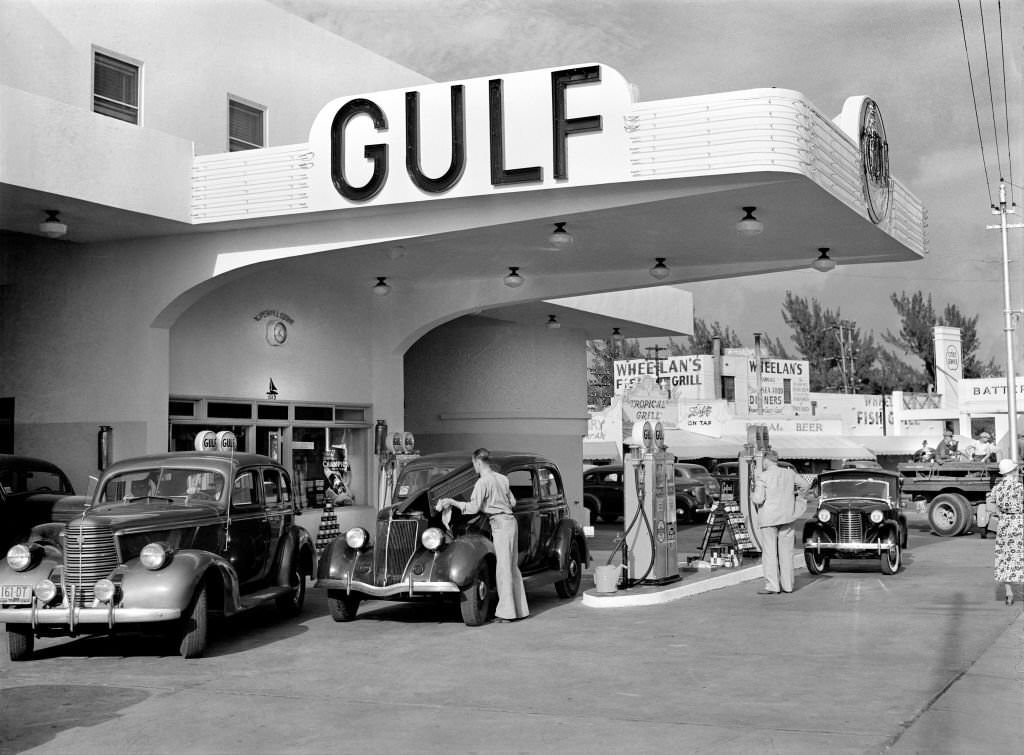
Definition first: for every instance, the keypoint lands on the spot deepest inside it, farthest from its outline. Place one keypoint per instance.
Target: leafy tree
(839, 355)
(703, 333)
(600, 358)
(918, 317)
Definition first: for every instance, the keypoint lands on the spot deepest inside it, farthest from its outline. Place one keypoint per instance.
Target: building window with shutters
(115, 87)
(245, 126)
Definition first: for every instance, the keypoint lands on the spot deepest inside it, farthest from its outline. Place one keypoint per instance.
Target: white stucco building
(191, 277)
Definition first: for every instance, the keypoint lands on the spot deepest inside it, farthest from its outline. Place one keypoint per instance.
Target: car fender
(815, 531)
(296, 544)
(47, 559)
(889, 532)
(338, 559)
(459, 560)
(174, 585)
(567, 531)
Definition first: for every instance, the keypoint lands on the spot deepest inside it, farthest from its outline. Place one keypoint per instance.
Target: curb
(654, 595)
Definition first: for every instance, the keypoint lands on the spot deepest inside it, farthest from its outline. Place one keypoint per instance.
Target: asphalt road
(847, 663)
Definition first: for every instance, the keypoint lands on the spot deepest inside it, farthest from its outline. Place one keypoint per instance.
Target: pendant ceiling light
(381, 288)
(52, 226)
(749, 225)
(659, 270)
(824, 263)
(513, 279)
(560, 238)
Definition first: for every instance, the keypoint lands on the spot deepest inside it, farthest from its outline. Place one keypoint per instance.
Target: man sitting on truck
(984, 449)
(925, 453)
(948, 448)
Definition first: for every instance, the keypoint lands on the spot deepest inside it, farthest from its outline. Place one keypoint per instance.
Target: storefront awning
(602, 449)
(687, 445)
(893, 445)
(818, 447)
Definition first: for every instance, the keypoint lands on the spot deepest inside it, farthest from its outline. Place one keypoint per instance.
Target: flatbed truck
(951, 491)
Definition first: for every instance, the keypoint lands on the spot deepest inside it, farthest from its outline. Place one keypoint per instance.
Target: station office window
(115, 88)
(245, 126)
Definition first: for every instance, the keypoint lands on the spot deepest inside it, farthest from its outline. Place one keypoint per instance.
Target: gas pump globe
(650, 510)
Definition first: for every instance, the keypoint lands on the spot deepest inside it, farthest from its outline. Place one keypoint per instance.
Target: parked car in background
(694, 476)
(33, 492)
(858, 515)
(165, 541)
(415, 553)
(604, 492)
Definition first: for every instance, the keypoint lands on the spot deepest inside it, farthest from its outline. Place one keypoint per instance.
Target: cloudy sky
(907, 54)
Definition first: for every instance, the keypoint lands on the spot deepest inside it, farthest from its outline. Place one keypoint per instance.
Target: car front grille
(851, 527)
(89, 554)
(396, 544)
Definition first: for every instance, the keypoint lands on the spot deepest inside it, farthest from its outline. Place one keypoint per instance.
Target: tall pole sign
(1009, 315)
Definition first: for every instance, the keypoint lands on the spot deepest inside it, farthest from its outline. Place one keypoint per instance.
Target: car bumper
(877, 547)
(407, 588)
(73, 616)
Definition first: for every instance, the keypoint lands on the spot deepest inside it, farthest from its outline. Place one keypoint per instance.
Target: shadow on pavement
(23, 727)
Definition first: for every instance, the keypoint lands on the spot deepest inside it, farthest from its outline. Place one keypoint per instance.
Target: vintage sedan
(858, 516)
(33, 491)
(165, 541)
(604, 492)
(415, 554)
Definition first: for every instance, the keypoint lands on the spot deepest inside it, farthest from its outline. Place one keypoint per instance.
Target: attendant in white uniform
(775, 497)
(492, 496)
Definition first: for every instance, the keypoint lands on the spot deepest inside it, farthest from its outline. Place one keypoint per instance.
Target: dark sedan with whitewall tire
(165, 542)
(858, 515)
(415, 554)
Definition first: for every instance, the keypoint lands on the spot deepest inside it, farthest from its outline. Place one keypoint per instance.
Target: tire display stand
(329, 529)
(726, 526)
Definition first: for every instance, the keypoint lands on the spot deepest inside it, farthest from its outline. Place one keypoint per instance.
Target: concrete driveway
(924, 661)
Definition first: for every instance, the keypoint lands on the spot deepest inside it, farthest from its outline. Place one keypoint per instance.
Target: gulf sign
(209, 441)
(534, 129)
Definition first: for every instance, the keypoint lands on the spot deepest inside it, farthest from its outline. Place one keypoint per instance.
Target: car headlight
(154, 556)
(104, 590)
(877, 516)
(357, 538)
(432, 538)
(19, 557)
(45, 590)
(824, 515)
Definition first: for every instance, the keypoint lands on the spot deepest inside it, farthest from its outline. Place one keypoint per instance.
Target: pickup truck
(951, 491)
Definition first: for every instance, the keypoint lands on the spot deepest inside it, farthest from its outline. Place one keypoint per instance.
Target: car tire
(817, 563)
(476, 598)
(20, 642)
(192, 640)
(946, 514)
(609, 518)
(892, 559)
(568, 587)
(343, 607)
(291, 604)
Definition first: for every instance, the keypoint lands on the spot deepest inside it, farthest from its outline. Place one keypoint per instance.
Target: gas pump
(650, 552)
(751, 462)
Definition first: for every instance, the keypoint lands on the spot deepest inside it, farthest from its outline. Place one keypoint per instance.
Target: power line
(991, 97)
(1006, 103)
(977, 116)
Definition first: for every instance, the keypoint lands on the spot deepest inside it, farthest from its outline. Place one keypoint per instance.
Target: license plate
(19, 594)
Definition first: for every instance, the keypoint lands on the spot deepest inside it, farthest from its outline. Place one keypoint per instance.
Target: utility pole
(657, 364)
(1009, 315)
(841, 329)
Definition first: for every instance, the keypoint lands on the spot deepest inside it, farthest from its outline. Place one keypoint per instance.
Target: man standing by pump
(778, 498)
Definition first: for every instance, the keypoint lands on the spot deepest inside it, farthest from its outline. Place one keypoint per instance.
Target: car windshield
(855, 489)
(420, 476)
(27, 480)
(181, 485)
